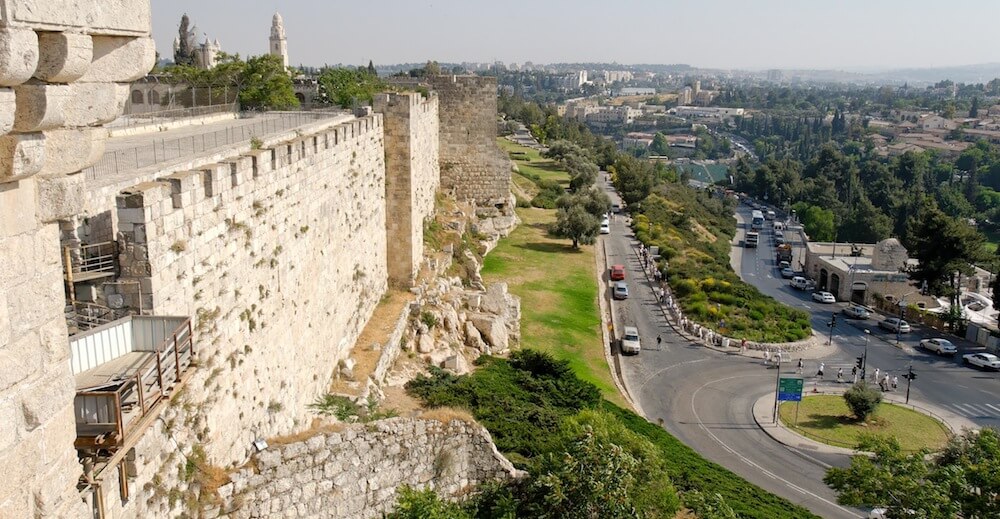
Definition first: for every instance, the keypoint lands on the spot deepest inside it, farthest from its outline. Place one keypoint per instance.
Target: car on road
(939, 346)
(895, 324)
(856, 311)
(617, 272)
(824, 297)
(801, 283)
(620, 290)
(630, 340)
(982, 360)
(605, 227)
(783, 264)
(787, 272)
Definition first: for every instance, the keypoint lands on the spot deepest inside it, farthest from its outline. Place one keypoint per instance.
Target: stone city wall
(280, 256)
(65, 66)
(412, 177)
(472, 165)
(355, 473)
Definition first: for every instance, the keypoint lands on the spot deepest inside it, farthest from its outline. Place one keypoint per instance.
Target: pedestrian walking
(659, 340)
(799, 369)
(875, 376)
(819, 372)
(840, 374)
(767, 357)
(885, 382)
(743, 346)
(854, 375)
(895, 382)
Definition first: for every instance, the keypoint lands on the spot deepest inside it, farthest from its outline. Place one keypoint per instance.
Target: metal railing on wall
(116, 162)
(144, 118)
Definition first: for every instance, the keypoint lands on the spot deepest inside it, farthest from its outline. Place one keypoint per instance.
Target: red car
(617, 272)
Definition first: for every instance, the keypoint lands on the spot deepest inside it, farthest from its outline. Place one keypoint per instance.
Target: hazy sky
(841, 34)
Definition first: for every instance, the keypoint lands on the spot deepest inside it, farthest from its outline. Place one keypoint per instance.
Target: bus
(757, 220)
(752, 239)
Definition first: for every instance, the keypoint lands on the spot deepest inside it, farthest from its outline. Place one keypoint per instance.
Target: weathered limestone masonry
(280, 256)
(310, 479)
(65, 66)
(471, 162)
(413, 176)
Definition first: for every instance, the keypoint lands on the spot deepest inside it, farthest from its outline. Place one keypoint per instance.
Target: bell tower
(279, 44)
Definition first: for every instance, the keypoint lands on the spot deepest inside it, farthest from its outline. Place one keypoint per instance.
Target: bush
(862, 400)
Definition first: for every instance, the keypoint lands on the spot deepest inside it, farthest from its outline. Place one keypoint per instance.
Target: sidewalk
(763, 414)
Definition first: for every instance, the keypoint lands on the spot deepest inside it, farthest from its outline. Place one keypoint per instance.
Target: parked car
(856, 311)
(939, 346)
(801, 283)
(617, 272)
(895, 324)
(787, 272)
(982, 360)
(824, 297)
(784, 264)
(630, 340)
(620, 290)
(605, 227)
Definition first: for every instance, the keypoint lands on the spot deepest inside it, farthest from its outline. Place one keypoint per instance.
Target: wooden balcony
(123, 370)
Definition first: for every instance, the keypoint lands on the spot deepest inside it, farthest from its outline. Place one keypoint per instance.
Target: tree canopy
(349, 87)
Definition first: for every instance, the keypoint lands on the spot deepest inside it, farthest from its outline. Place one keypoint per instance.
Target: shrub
(862, 400)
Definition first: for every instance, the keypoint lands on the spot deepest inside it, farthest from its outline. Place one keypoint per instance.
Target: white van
(801, 283)
(630, 340)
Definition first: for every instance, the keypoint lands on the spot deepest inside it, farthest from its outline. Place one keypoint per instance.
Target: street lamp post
(902, 313)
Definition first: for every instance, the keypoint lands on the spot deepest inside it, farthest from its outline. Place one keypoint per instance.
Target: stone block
(40, 106)
(70, 150)
(104, 17)
(145, 194)
(60, 197)
(63, 56)
(7, 109)
(95, 103)
(17, 210)
(21, 155)
(18, 55)
(120, 59)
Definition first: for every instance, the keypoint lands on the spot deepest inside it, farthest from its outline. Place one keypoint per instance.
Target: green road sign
(790, 389)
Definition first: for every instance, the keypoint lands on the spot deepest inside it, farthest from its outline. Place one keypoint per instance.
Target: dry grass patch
(703, 233)
(318, 426)
(378, 329)
(446, 414)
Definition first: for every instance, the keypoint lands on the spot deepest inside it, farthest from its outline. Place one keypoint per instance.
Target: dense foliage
(584, 457)
(961, 481)
(262, 82)
(349, 87)
(694, 229)
(862, 400)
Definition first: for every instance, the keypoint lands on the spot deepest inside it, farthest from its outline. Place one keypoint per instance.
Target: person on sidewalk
(854, 375)
(885, 382)
(875, 376)
(659, 340)
(799, 368)
(767, 357)
(840, 375)
(895, 382)
(743, 346)
(819, 372)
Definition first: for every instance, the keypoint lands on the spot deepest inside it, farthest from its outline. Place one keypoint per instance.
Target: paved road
(942, 381)
(705, 398)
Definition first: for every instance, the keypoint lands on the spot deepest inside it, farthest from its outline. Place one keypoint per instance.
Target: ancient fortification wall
(64, 70)
(312, 478)
(280, 255)
(472, 165)
(412, 177)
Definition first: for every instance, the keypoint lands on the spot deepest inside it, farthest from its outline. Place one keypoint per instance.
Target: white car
(939, 346)
(895, 325)
(982, 360)
(787, 272)
(824, 297)
(856, 311)
(605, 227)
(630, 340)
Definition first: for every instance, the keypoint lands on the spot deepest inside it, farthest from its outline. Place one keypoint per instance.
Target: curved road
(705, 398)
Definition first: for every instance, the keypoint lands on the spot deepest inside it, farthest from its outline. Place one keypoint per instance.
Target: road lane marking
(991, 406)
(749, 462)
(661, 371)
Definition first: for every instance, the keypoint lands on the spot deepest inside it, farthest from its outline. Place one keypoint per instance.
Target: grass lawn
(530, 162)
(826, 419)
(556, 284)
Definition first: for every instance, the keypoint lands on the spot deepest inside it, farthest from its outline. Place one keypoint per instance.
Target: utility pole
(777, 388)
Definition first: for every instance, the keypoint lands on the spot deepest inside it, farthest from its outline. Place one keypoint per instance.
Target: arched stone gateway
(834, 284)
(823, 275)
(859, 292)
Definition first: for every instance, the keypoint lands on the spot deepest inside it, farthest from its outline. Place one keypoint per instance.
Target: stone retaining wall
(355, 473)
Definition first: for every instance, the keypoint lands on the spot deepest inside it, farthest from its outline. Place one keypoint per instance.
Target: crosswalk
(976, 410)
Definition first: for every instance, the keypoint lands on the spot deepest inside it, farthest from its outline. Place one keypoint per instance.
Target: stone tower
(279, 44)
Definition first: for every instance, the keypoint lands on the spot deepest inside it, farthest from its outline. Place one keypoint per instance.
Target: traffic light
(860, 362)
(833, 319)
(911, 376)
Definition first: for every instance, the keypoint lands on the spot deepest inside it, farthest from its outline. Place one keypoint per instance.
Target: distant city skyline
(850, 35)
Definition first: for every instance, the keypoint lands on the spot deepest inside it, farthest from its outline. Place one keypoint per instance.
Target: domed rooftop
(889, 254)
